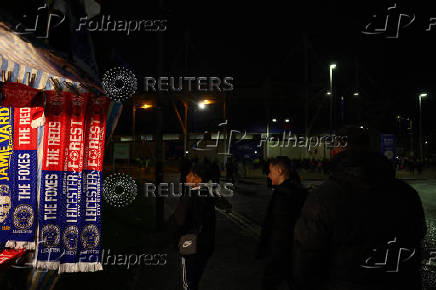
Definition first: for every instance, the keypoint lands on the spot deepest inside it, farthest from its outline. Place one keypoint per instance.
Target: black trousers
(192, 269)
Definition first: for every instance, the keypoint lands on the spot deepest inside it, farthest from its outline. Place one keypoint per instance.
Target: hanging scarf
(6, 137)
(24, 165)
(70, 206)
(90, 235)
(20, 95)
(50, 190)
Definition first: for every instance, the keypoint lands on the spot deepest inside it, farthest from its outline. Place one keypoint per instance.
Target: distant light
(274, 120)
(356, 94)
(201, 105)
(426, 142)
(361, 127)
(146, 106)
(186, 152)
(342, 98)
(332, 66)
(329, 93)
(286, 120)
(255, 151)
(207, 102)
(398, 117)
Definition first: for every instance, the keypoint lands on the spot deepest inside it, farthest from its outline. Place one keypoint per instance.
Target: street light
(332, 67)
(274, 120)
(421, 154)
(202, 104)
(287, 120)
(356, 94)
(146, 106)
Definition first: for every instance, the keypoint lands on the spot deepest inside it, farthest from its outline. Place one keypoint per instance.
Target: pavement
(127, 232)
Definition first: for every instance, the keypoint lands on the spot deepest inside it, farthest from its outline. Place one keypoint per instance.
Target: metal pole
(306, 86)
(331, 100)
(267, 137)
(225, 130)
(133, 128)
(185, 139)
(420, 131)
(159, 142)
(187, 42)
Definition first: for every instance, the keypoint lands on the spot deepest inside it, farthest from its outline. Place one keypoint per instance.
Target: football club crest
(71, 235)
(50, 236)
(90, 237)
(23, 217)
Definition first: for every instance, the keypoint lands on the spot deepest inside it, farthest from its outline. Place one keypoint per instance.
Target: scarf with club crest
(51, 185)
(72, 190)
(6, 147)
(24, 185)
(90, 235)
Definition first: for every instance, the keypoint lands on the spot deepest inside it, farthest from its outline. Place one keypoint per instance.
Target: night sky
(256, 42)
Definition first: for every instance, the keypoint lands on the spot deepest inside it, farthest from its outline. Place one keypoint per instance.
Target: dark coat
(195, 212)
(347, 223)
(278, 227)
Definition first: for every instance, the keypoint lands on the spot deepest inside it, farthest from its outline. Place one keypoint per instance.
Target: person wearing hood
(362, 228)
(277, 231)
(195, 221)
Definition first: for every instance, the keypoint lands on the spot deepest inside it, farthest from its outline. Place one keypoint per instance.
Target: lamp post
(135, 106)
(421, 154)
(332, 67)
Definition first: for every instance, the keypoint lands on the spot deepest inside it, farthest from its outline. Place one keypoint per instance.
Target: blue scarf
(71, 200)
(54, 140)
(6, 137)
(24, 165)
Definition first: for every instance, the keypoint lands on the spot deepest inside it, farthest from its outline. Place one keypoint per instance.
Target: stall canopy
(23, 62)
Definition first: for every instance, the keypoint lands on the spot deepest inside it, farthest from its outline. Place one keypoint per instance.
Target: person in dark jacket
(277, 231)
(362, 228)
(195, 213)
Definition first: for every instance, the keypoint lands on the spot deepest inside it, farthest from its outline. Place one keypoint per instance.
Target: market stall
(53, 126)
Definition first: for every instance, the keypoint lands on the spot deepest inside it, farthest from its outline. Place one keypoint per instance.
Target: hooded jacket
(362, 229)
(278, 227)
(195, 213)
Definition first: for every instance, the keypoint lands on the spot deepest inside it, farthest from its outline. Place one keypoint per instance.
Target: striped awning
(21, 60)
